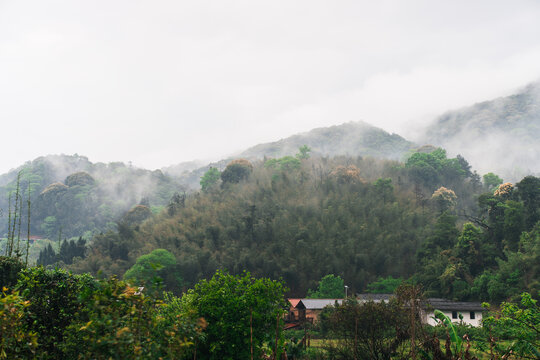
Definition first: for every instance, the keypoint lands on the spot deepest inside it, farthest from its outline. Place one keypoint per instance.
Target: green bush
(237, 308)
(119, 322)
(15, 341)
(53, 297)
(9, 271)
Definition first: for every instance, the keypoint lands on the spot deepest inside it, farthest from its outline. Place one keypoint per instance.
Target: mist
(169, 82)
(499, 136)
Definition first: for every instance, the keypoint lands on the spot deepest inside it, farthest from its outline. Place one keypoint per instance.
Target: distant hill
(71, 195)
(499, 135)
(353, 138)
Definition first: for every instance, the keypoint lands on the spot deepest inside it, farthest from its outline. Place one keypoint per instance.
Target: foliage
(431, 168)
(347, 175)
(519, 322)
(366, 331)
(236, 308)
(384, 285)
(121, 323)
(491, 181)
(81, 178)
(137, 215)
(155, 268)
(236, 171)
(71, 195)
(286, 163)
(69, 249)
(15, 341)
(210, 179)
(9, 271)
(330, 287)
(303, 152)
(53, 301)
(445, 199)
(504, 191)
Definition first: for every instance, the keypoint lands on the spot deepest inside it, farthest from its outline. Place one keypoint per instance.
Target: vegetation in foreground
(54, 314)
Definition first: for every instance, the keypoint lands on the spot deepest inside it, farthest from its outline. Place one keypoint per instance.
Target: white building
(468, 313)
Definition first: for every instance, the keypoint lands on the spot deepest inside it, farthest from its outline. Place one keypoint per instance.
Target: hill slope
(353, 139)
(499, 135)
(71, 195)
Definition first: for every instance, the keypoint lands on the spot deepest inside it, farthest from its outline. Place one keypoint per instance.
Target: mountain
(72, 196)
(352, 138)
(500, 135)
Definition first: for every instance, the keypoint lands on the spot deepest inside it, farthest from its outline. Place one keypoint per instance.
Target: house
(308, 310)
(471, 312)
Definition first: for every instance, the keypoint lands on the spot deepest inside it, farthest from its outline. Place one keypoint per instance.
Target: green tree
(154, 268)
(303, 152)
(120, 322)
(384, 285)
(366, 331)
(9, 271)
(385, 189)
(237, 309)
(15, 341)
(236, 171)
(330, 287)
(210, 179)
(521, 324)
(528, 190)
(53, 303)
(286, 163)
(491, 181)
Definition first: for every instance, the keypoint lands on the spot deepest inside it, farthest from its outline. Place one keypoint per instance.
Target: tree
(137, 215)
(53, 302)
(330, 287)
(237, 309)
(120, 322)
(9, 271)
(384, 285)
(366, 331)
(286, 163)
(520, 322)
(152, 268)
(303, 152)
(236, 171)
(384, 188)
(210, 179)
(444, 198)
(491, 181)
(347, 175)
(529, 192)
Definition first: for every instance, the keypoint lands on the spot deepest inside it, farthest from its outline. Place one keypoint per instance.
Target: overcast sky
(161, 82)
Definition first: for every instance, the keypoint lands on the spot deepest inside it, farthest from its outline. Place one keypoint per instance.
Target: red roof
(294, 302)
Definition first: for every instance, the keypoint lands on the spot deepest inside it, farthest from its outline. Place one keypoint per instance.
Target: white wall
(477, 321)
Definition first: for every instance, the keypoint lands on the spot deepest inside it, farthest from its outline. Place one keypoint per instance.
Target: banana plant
(457, 342)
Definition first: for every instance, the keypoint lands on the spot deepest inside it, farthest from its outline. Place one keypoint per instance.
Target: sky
(157, 83)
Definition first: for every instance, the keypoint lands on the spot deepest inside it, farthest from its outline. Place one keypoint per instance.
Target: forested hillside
(300, 218)
(499, 135)
(71, 196)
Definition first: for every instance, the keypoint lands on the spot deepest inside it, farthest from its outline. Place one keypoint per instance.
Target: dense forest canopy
(430, 220)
